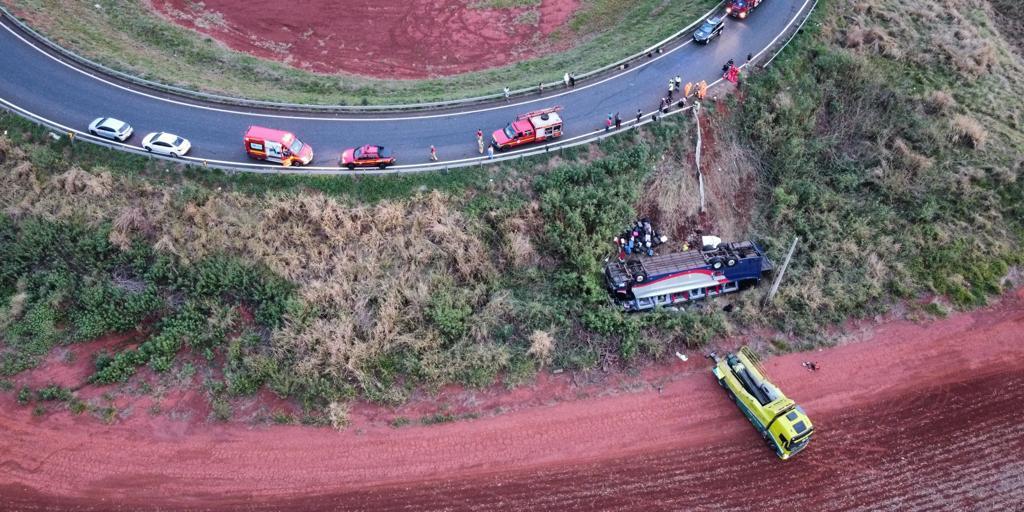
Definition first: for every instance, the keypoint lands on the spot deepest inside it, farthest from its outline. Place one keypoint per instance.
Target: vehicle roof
(166, 137)
(368, 149)
(552, 119)
(259, 132)
(116, 124)
(713, 20)
(522, 125)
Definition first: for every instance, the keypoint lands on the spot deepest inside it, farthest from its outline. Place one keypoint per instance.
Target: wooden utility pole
(782, 271)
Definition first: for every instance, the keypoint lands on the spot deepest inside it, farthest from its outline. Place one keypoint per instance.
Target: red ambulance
(277, 146)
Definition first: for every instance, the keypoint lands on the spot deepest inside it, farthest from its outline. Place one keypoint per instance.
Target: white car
(110, 128)
(166, 144)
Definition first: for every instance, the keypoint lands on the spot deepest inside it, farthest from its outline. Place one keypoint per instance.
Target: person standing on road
(671, 88)
(540, 88)
(618, 121)
(565, 79)
(664, 105)
(490, 152)
(480, 140)
(639, 115)
(608, 122)
(687, 89)
(679, 83)
(508, 93)
(572, 79)
(433, 153)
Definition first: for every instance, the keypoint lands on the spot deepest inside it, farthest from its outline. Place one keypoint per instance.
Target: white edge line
(339, 170)
(355, 119)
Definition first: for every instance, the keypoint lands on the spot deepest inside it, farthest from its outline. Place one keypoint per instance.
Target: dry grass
(542, 345)
(366, 274)
(966, 130)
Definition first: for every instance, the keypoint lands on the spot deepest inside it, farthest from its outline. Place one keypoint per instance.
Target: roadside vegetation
(901, 177)
(129, 37)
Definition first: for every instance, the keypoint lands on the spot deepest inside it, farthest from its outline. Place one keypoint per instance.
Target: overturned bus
(641, 283)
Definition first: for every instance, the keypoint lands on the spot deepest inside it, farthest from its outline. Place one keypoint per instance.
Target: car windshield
(510, 132)
(296, 146)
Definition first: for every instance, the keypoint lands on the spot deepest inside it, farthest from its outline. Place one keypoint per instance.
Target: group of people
(641, 238)
(613, 120)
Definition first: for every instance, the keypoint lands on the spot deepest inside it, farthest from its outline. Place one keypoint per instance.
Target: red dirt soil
(918, 416)
(377, 38)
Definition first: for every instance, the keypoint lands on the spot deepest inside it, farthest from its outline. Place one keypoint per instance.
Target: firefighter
(687, 89)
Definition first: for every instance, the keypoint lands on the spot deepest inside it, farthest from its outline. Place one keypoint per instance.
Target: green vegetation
(902, 179)
(127, 36)
(900, 175)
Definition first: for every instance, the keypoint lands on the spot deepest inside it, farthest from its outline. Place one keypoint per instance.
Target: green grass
(866, 162)
(902, 180)
(127, 37)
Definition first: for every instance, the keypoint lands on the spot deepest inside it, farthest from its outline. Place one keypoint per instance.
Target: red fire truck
(531, 127)
(277, 146)
(741, 8)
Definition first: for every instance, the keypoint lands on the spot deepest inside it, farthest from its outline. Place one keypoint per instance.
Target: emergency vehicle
(366, 156)
(640, 283)
(531, 127)
(741, 8)
(277, 146)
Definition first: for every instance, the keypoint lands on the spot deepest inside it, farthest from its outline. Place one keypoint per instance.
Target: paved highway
(35, 82)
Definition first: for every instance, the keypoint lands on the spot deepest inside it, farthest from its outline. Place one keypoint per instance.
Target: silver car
(110, 128)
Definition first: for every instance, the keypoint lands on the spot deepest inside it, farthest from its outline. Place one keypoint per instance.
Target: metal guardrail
(200, 163)
(270, 105)
(793, 36)
(230, 167)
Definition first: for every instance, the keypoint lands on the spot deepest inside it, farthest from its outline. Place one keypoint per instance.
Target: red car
(366, 156)
(741, 8)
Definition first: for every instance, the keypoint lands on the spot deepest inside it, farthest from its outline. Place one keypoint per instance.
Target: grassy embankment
(128, 37)
(901, 176)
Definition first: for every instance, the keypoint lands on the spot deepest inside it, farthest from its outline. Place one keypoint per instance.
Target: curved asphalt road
(41, 85)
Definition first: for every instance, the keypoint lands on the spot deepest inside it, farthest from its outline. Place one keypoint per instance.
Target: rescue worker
(687, 89)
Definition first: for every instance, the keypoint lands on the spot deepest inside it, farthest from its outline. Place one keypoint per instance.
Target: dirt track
(918, 417)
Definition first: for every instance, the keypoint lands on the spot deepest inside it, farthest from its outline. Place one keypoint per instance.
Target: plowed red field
(378, 38)
(917, 417)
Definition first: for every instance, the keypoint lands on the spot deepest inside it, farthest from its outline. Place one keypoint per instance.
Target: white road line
(505, 156)
(352, 119)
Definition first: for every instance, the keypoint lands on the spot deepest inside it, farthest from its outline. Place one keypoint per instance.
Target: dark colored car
(367, 156)
(711, 29)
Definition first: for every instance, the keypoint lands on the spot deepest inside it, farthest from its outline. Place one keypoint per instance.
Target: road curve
(40, 85)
